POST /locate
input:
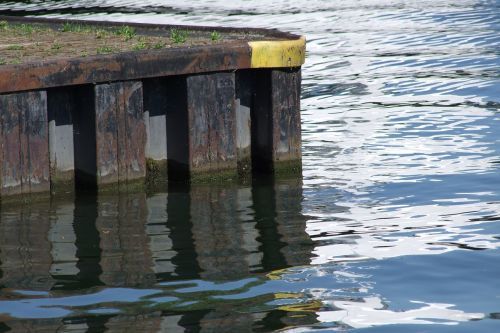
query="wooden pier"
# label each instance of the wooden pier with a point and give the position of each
(186, 112)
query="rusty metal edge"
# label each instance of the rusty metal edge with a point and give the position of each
(124, 66)
(131, 65)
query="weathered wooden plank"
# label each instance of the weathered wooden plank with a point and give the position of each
(135, 130)
(61, 103)
(285, 85)
(11, 147)
(276, 136)
(24, 151)
(244, 92)
(106, 123)
(155, 111)
(212, 123)
(120, 132)
(38, 142)
(24, 137)
(121, 129)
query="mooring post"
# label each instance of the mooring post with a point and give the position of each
(120, 132)
(24, 142)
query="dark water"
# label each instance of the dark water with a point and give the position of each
(394, 227)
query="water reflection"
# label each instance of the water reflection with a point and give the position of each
(401, 152)
(92, 259)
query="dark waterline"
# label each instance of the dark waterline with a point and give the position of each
(394, 227)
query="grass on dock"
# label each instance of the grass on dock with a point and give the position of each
(21, 43)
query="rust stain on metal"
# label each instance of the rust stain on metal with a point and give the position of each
(124, 66)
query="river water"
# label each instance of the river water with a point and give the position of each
(394, 227)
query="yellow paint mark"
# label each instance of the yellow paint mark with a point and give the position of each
(313, 306)
(275, 275)
(283, 53)
(288, 295)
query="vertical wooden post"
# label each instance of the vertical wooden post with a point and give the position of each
(201, 127)
(155, 112)
(244, 93)
(24, 143)
(212, 125)
(285, 85)
(276, 133)
(120, 132)
(61, 103)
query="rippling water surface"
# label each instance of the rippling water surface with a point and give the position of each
(394, 227)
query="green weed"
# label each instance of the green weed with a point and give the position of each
(75, 27)
(104, 50)
(15, 47)
(141, 45)
(215, 36)
(25, 29)
(100, 33)
(56, 46)
(126, 32)
(159, 45)
(178, 36)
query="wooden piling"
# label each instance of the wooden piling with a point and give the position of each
(212, 125)
(24, 140)
(120, 133)
(61, 103)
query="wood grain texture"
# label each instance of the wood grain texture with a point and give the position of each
(120, 132)
(286, 136)
(24, 140)
(212, 122)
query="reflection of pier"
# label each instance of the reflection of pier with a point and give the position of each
(131, 240)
